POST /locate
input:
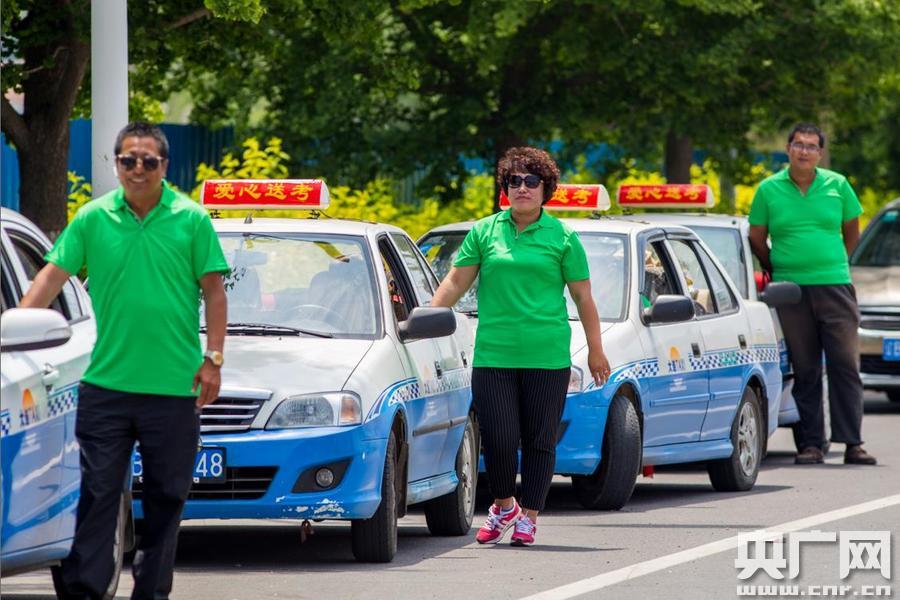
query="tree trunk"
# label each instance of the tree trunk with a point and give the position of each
(679, 154)
(43, 169)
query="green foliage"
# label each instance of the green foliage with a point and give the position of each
(79, 193)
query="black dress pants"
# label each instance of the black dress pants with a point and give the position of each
(108, 424)
(826, 320)
(520, 406)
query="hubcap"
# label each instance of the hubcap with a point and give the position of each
(467, 475)
(748, 439)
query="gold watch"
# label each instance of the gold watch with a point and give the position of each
(215, 357)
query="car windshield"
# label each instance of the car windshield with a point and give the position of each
(880, 243)
(608, 264)
(725, 243)
(282, 284)
(440, 250)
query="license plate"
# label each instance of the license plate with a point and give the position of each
(209, 466)
(891, 349)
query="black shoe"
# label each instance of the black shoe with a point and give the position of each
(855, 455)
(811, 455)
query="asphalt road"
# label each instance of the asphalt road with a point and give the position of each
(675, 539)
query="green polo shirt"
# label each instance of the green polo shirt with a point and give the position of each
(144, 286)
(805, 230)
(522, 316)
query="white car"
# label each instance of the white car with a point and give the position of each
(695, 366)
(344, 396)
(45, 353)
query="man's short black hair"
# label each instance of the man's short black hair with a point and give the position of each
(141, 129)
(807, 128)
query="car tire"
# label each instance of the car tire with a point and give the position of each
(119, 544)
(738, 472)
(451, 514)
(375, 539)
(611, 485)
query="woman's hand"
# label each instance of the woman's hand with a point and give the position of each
(598, 365)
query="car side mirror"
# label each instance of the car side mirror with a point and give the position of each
(670, 308)
(781, 293)
(32, 329)
(427, 322)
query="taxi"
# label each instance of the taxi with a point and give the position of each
(344, 395)
(44, 354)
(728, 238)
(695, 366)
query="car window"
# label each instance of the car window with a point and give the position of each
(725, 300)
(310, 282)
(727, 246)
(8, 298)
(657, 278)
(31, 255)
(398, 290)
(422, 278)
(440, 250)
(880, 243)
(697, 285)
(608, 266)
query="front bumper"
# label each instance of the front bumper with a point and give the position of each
(876, 372)
(263, 468)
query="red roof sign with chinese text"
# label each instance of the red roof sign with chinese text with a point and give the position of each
(257, 194)
(571, 196)
(670, 195)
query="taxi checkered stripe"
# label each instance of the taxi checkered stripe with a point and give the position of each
(5, 422)
(413, 389)
(63, 400)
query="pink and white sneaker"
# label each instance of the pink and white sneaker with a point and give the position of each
(524, 533)
(497, 523)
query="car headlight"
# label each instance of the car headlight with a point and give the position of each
(576, 379)
(317, 410)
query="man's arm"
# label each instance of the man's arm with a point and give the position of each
(455, 284)
(46, 286)
(209, 376)
(758, 236)
(850, 231)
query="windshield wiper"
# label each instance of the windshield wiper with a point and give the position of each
(266, 329)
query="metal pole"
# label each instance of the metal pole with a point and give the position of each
(109, 88)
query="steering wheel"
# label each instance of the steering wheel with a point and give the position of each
(327, 315)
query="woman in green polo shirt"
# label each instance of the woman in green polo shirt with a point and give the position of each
(522, 364)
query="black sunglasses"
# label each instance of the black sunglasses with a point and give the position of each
(128, 162)
(530, 181)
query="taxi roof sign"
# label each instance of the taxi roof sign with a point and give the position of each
(572, 196)
(670, 195)
(258, 194)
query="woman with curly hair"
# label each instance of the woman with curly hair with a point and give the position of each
(520, 375)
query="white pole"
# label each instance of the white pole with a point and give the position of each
(109, 88)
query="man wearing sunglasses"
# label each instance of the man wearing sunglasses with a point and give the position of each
(149, 252)
(811, 216)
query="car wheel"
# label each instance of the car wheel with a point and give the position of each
(118, 556)
(611, 485)
(375, 539)
(738, 472)
(451, 514)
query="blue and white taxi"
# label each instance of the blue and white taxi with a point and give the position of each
(44, 354)
(695, 366)
(344, 395)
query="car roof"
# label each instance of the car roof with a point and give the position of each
(606, 224)
(10, 216)
(323, 226)
(691, 219)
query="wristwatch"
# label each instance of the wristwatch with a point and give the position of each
(215, 357)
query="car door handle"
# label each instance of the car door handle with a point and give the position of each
(465, 360)
(438, 369)
(742, 341)
(695, 348)
(50, 375)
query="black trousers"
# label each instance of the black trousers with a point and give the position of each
(108, 423)
(826, 319)
(519, 406)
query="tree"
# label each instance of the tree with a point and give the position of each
(46, 56)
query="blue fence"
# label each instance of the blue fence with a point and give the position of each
(189, 145)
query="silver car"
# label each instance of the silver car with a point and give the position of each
(875, 268)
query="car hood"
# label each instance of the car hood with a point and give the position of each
(877, 286)
(292, 365)
(579, 340)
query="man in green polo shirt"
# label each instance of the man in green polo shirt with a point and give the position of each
(811, 216)
(149, 253)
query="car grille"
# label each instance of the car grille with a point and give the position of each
(880, 321)
(875, 365)
(241, 483)
(232, 412)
